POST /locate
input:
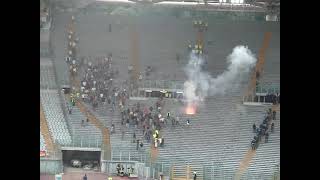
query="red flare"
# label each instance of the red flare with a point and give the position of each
(190, 110)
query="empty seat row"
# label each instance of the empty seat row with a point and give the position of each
(54, 116)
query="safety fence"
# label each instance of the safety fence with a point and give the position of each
(265, 93)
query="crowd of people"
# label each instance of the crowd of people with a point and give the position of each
(273, 98)
(264, 129)
(121, 171)
(97, 87)
(148, 119)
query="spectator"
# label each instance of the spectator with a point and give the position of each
(82, 123)
(155, 142)
(272, 127)
(118, 169)
(194, 175)
(160, 142)
(112, 129)
(85, 177)
(266, 137)
(253, 144)
(254, 127)
(134, 137)
(274, 115)
(70, 110)
(188, 122)
(138, 144)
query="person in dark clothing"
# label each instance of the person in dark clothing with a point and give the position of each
(112, 129)
(70, 110)
(141, 144)
(118, 169)
(82, 123)
(188, 122)
(266, 137)
(85, 177)
(162, 142)
(195, 175)
(274, 115)
(134, 137)
(253, 144)
(272, 127)
(261, 126)
(138, 144)
(254, 127)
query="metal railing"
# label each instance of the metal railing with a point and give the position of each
(52, 155)
(86, 141)
(162, 84)
(268, 88)
(208, 171)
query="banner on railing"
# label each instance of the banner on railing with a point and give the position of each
(43, 153)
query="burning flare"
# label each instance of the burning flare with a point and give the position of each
(190, 109)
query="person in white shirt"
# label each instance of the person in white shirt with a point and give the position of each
(155, 142)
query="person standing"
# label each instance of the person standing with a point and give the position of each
(274, 115)
(134, 137)
(272, 127)
(82, 123)
(194, 175)
(85, 177)
(122, 133)
(138, 144)
(266, 137)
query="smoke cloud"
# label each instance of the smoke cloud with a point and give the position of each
(200, 84)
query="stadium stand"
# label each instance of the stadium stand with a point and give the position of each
(54, 116)
(84, 135)
(47, 77)
(220, 133)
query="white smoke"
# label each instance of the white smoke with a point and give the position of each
(200, 84)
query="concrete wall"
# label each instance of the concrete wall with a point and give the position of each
(50, 166)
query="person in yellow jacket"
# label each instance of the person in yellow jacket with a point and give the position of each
(109, 178)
